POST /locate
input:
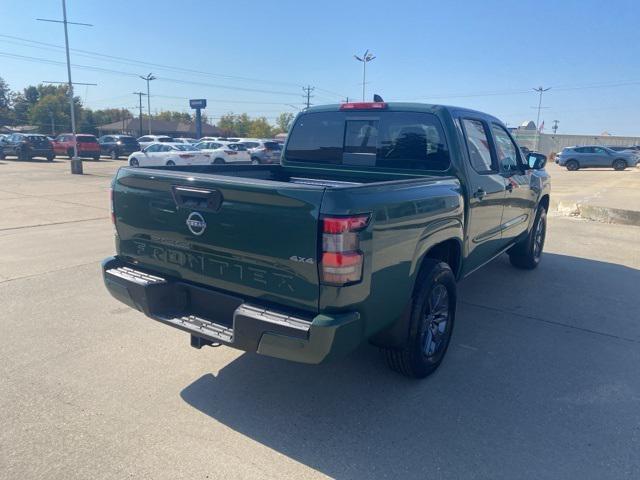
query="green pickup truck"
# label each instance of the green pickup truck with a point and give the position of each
(359, 234)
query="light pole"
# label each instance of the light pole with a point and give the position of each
(366, 58)
(148, 78)
(76, 163)
(540, 91)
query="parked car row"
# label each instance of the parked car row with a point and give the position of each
(146, 150)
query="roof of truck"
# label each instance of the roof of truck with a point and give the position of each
(401, 106)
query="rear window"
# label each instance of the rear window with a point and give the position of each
(251, 144)
(272, 145)
(86, 139)
(165, 139)
(127, 139)
(403, 140)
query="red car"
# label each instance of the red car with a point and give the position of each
(88, 145)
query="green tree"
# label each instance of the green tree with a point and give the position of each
(260, 128)
(284, 121)
(6, 114)
(56, 105)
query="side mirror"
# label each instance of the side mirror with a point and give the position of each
(536, 161)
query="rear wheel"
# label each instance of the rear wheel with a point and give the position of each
(527, 253)
(134, 162)
(255, 161)
(113, 155)
(70, 152)
(431, 323)
(572, 165)
(171, 163)
(50, 157)
(619, 164)
(96, 157)
(219, 161)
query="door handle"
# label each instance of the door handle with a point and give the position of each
(479, 194)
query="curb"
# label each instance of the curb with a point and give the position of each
(609, 215)
(600, 214)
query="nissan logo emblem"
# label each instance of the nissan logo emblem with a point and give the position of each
(196, 224)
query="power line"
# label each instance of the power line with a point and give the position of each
(134, 75)
(91, 54)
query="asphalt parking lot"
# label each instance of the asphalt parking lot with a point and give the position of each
(541, 381)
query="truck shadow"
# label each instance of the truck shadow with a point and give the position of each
(520, 359)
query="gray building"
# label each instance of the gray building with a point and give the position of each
(527, 136)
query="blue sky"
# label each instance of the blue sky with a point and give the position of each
(486, 55)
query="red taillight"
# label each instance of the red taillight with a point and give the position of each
(342, 260)
(363, 106)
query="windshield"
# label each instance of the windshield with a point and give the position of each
(185, 147)
(406, 140)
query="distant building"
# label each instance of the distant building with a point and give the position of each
(158, 127)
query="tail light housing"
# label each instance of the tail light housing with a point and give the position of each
(342, 260)
(112, 209)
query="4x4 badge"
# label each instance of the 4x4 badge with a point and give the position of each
(196, 223)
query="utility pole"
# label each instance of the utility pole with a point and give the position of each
(540, 91)
(366, 58)
(307, 91)
(140, 95)
(76, 163)
(148, 78)
(555, 126)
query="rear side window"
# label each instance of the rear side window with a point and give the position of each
(478, 145)
(402, 140)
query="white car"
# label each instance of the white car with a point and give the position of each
(147, 140)
(190, 141)
(169, 154)
(225, 152)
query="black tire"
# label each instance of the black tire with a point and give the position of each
(572, 165)
(619, 164)
(219, 161)
(96, 157)
(50, 157)
(255, 161)
(527, 253)
(430, 328)
(134, 162)
(70, 152)
(171, 163)
(113, 155)
(2, 157)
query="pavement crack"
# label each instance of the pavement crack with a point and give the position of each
(53, 223)
(553, 322)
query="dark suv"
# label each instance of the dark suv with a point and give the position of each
(118, 145)
(26, 146)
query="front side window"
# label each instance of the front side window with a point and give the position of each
(506, 150)
(478, 146)
(153, 148)
(401, 140)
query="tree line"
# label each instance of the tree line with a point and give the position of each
(47, 107)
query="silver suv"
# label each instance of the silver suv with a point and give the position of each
(587, 156)
(266, 151)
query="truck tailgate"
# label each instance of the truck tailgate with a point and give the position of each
(256, 238)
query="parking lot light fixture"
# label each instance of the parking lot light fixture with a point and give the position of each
(366, 58)
(148, 78)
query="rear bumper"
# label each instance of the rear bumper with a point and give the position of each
(211, 316)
